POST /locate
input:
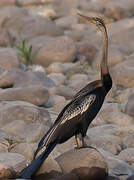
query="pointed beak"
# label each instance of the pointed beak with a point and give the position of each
(90, 19)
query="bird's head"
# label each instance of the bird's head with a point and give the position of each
(95, 20)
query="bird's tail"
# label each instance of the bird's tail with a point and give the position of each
(29, 171)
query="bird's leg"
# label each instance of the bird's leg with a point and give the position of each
(77, 138)
(83, 142)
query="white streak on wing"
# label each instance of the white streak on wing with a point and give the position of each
(78, 110)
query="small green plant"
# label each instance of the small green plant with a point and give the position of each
(25, 51)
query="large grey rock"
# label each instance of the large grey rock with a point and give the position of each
(123, 72)
(31, 133)
(119, 9)
(15, 18)
(33, 94)
(14, 160)
(58, 67)
(128, 141)
(129, 109)
(58, 78)
(109, 143)
(123, 95)
(118, 167)
(26, 149)
(19, 110)
(127, 155)
(59, 49)
(82, 162)
(65, 91)
(18, 78)
(8, 58)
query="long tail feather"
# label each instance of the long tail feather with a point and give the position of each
(29, 171)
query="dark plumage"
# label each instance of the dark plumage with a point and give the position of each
(76, 116)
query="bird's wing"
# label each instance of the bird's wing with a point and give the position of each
(74, 109)
(87, 89)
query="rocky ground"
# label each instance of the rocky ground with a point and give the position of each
(47, 54)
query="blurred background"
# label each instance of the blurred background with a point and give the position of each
(47, 54)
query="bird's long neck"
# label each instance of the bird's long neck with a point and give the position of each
(105, 75)
(104, 66)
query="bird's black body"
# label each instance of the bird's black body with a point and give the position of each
(75, 117)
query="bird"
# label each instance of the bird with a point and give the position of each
(77, 115)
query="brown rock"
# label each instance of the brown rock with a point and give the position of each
(86, 163)
(26, 149)
(122, 74)
(33, 94)
(129, 109)
(69, 176)
(8, 58)
(88, 50)
(107, 142)
(6, 172)
(49, 165)
(60, 49)
(31, 133)
(14, 160)
(17, 110)
(127, 155)
(128, 141)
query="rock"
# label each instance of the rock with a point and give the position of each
(60, 49)
(77, 85)
(107, 110)
(58, 67)
(60, 100)
(14, 126)
(107, 142)
(6, 3)
(14, 160)
(6, 172)
(88, 50)
(30, 25)
(111, 177)
(17, 110)
(49, 165)
(122, 74)
(33, 94)
(114, 57)
(120, 119)
(128, 141)
(129, 108)
(131, 177)
(118, 26)
(58, 78)
(26, 149)
(31, 133)
(97, 122)
(123, 95)
(82, 162)
(118, 167)
(13, 77)
(127, 155)
(76, 77)
(65, 91)
(54, 100)
(8, 58)
(47, 176)
(67, 176)
(120, 9)
(102, 130)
